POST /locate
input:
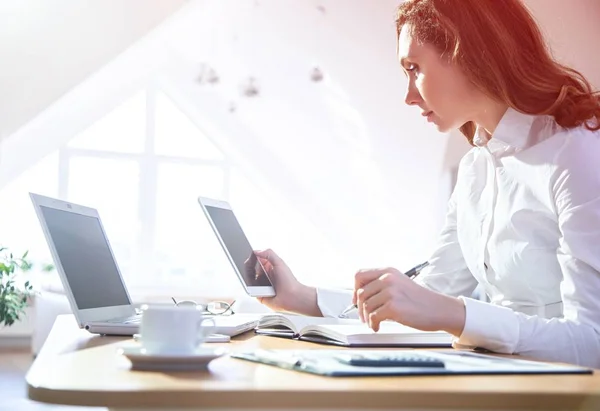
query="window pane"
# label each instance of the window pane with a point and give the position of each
(112, 187)
(177, 135)
(187, 252)
(19, 227)
(123, 130)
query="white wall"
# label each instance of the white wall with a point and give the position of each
(572, 29)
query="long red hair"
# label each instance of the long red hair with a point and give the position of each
(500, 48)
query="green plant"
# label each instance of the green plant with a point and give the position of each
(13, 299)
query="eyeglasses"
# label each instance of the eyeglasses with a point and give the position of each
(212, 308)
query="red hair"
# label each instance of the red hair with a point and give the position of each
(500, 48)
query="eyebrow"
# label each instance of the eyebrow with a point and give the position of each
(403, 60)
(403, 63)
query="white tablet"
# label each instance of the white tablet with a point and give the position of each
(241, 255)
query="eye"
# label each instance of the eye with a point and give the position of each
(412, 68)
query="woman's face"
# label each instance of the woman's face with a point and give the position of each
(436, 86)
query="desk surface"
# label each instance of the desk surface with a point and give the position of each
(78, 368)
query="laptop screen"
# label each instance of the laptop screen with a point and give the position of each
(84, 254)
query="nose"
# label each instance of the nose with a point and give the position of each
(412, 97)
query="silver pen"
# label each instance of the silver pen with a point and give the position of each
(412, 273)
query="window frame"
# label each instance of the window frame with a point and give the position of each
(149, 163)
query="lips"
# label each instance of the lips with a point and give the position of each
(429, 116)
(426, 113)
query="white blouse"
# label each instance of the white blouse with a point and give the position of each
(524, 222)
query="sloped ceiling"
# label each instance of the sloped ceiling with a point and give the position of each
(49, 46)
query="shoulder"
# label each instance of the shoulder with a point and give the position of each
(557, 148)
(579, 147)
(576, 176)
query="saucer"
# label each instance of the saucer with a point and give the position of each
(197, 360)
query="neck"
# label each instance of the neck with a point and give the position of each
(490, 116)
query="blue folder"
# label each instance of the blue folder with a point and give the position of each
(384, 363)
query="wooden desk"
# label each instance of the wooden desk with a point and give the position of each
(78, 368)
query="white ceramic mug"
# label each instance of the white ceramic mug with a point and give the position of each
(173, 329)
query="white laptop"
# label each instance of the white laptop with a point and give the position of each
(90, 275)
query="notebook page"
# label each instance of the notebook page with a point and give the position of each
(302, 321)
(389, 333)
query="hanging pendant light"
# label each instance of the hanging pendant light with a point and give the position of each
(208, 75)
(316, 73)
(249, 88)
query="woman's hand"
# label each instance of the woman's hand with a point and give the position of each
(292, 295)
(387, 294)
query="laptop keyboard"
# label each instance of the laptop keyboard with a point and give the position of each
(134, 319)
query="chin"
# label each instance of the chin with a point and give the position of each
(443, 128)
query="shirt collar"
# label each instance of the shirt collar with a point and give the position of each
(512, 131)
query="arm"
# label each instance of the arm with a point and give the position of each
(575, 338)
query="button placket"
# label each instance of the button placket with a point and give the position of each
(487, 222)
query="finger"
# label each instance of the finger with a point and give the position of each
(380, 314)
(356, 301)
(364, 277)
(264, 300)
(263, 260)
(364, 294)
(267, 264)
(375, 294)
(375, 302)
(375, 286)
(269, 255)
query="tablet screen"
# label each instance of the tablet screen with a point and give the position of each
(236, 243)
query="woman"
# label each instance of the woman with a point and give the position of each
(524, 218)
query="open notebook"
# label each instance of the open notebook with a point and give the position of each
(349, 332)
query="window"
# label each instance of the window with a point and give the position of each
(19, 227)
(142, 165)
